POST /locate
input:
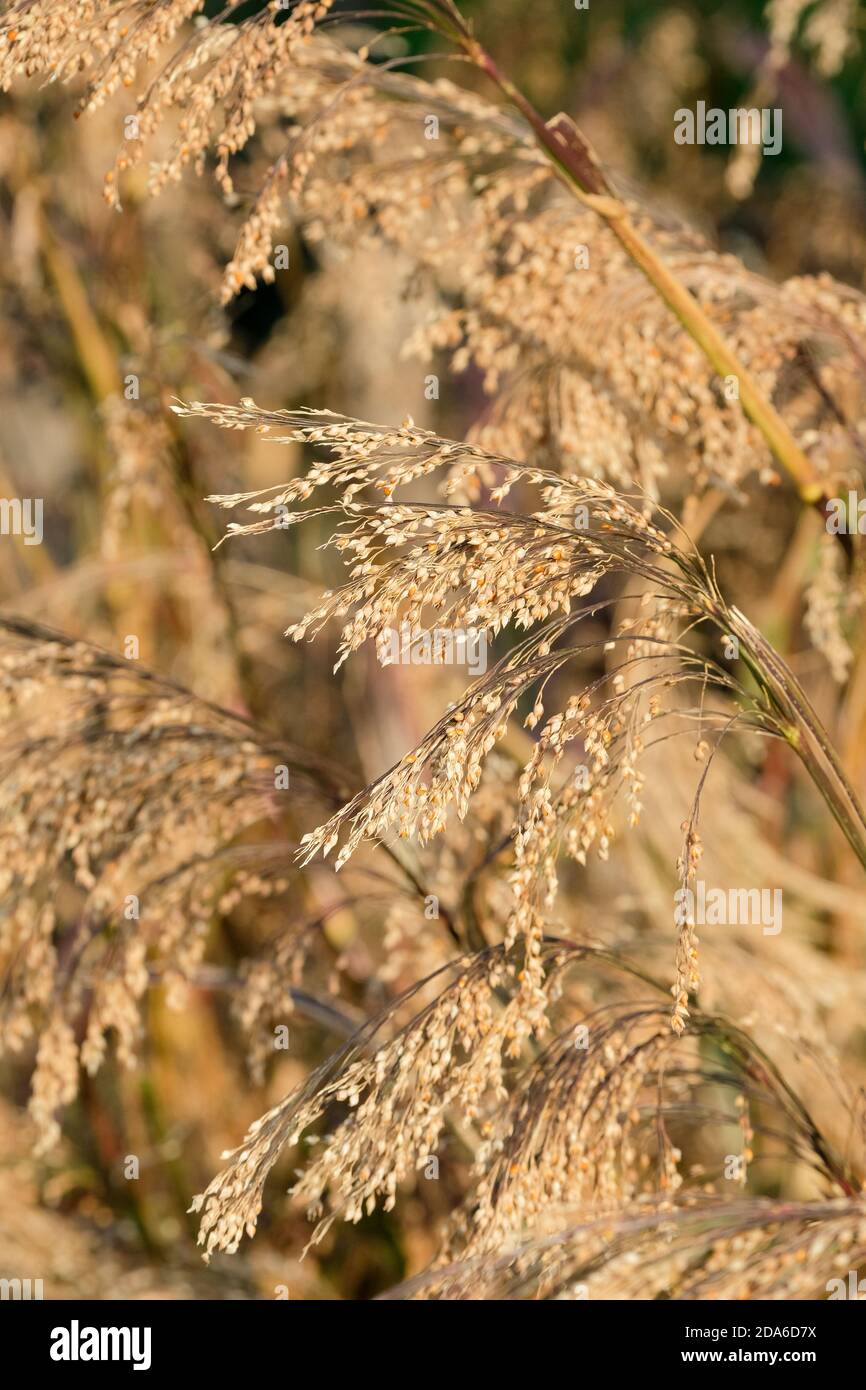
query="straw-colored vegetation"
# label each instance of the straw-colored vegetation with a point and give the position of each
(416, 949)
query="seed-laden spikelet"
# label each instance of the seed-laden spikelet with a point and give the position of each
(697, 1248)
(123, 798)
(215, 80)
(483, 570)
(451, 1053)
(476, 567)
(576, 1139)
(592, 1125)
(829, 602)
(109, 39)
